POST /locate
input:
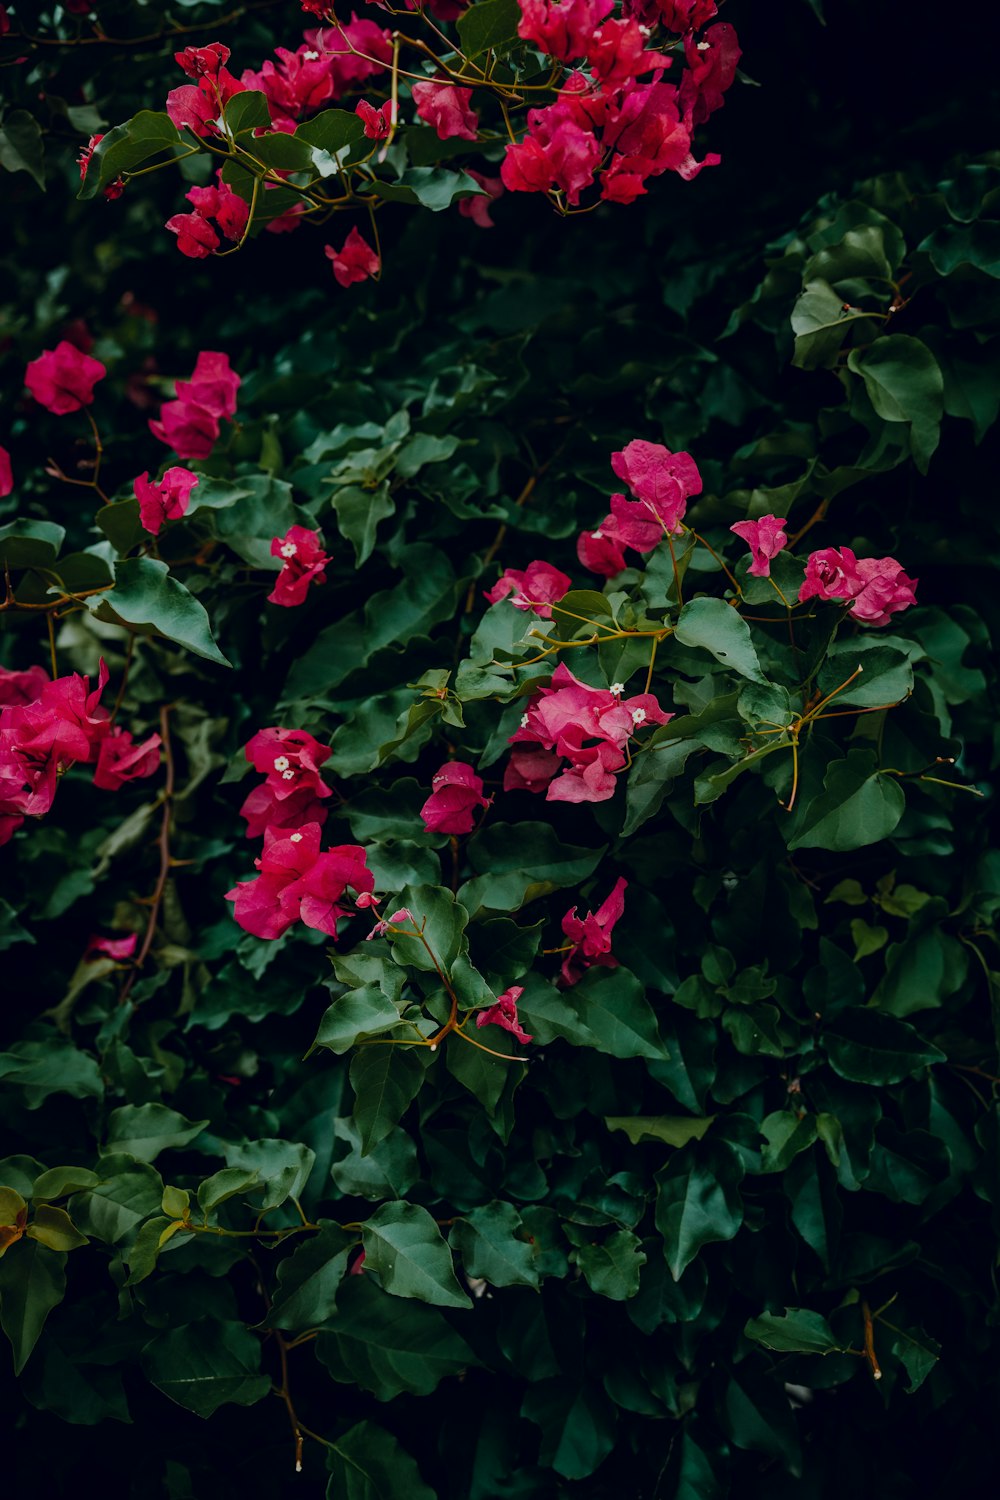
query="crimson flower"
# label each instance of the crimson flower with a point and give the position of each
(291, 795)
(6, 474)
(561, 28)
(22, 687)
(591, 936)
(303, 562)
(451, 806)
(478, 208)
(354, 261)
(377, 122)
(117, 948)
(537, 588)
(299, 883)
(166, 501)
(120, 761)
(765, 539)
(504, 1013)
(447, 108)
(63, 379)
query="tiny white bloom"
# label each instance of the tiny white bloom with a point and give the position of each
(703, 46)
(289, 549)
(524, 721)
(617, 688)
(310, 56)
(638, 715)
(597, 535)
(295, 838)
(281, 763)
(288, 775)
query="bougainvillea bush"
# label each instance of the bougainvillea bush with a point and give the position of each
(497, 722)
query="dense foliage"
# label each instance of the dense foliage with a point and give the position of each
(592, 1090)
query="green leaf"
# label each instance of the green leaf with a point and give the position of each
(130, 1192)
(144, 1252)
(858, 806)
(796, 1331)
(869, 1047)
(404, 1247)
(698, 1201)
(54, 1227)
(490, 1245)
(435, 188)
(51, 1066)
(332, 130)
(149, 133)
(607, 1010)
(30, 544)
(904, 384)
(521, 862)
(32, 1283)
(820, 322)
(121, 524)
(715, 626)
(384, 1080)
(147, 598)
(389, 1169)
(368, 1463)
(389, 1345)
(231, 1182)
(442, 920)
(786, 1135)
(489, 24)
(887, 676)
(577, 1422)
(205, 1365)
(674, 1130)
(58, 1182)
(247, 111)
(359, 512)
(283, 1167)
(309, 1279)
(363, 1012)
(21, 145)
(144, 1130)
(612, 1269)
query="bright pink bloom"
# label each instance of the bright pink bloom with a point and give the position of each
(451, 806)
(561, 28)
(189, 430)
(66, 720)
(292, 793)
(355, 261)
(166, 501)
(447, 108)
(212, 386)
(591, 937)
(616, 54)
(677, 16)
(478, 208)
(21, 687)
(661, 482)
(504, 1013)
(195, 236)
(557, 152)
(765, 539)
(203, 62)
(831, 573)
(62, 379)
(191, 108)
(650, 133)
(537, 588)
(299, 83)
(382, 927)
(377, 122)
(588, 727)
(303, 561)
(298, 883)
(119, 760)
(885, 590)
(340, 46)
(190, 425)
(711, 69)
(117, 948)
(602, 550)
(6, 474)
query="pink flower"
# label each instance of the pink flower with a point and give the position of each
(451, 806)
(355, 261)
(886, 589)
(675, 15)
(117, 948)
(298, 883)
(166, 501)
(447, 108)
(831, 573)
(195, 236)
(191, 108)
(197, 106)
(556, 153)
(711, 69)
(662, 480)
(62, 379)
(43, 735)
(616, 54)
(537, 588)
(561, 28)
(478, 209)
(190, 430)
(602, 550)
(22, 687)
(340, 46)
(765, 539)
(588, 727)
(6, 474)
(290, 759)
(303, 562)
(591, 937)
(119, 760)
(190, 425)
(504, 1013)
(212, 386)
(203, 62)
(299, 83)
(377, 122)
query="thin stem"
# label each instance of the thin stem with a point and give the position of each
(866, 1313)
(652, 663)
(52, 643)
(164, 845)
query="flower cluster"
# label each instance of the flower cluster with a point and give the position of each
(354, 261)
(302, 563)
(452, 805)
(608, 127)
(197, 106)
(765, 539)
(661, 484)
(46, 726)
(299, 883)
(63, 379)
(166, 501)
(190, 423)
(590, 936)
(293, 791)
(197, 235)
(324, 68)
(537, 588)
(504, 1013)
(573, 739)
(876, 587)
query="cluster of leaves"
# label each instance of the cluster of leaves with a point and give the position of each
(742, 1174)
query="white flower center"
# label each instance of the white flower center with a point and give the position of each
(524, 721)
(281, 763)
(617, 688)
(289, 549)
(288, 775)
(638, 715)
(295, 838)
(310, 56)
(597, 535)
